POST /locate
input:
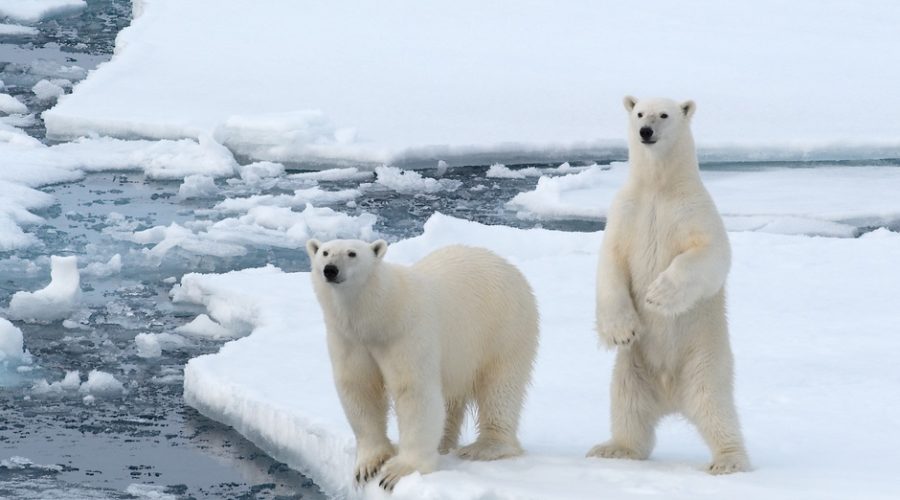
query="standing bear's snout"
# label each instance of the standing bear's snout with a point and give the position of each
(331, 272)
(646, 134)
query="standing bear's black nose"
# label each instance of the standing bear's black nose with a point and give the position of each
(646, 133)
(330, 272)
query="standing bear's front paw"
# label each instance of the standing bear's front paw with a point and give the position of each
(618, 329)
(667, 297)
(393, 471)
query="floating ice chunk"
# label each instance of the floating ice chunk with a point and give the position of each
(47, 91)
(31, 11)
(149, 492)
(441, 168)
(16, 30)
(18, 121)
(301, 197)
(57, 300)
(198, 186)
(255, 172)
(409, 182)
(12, 349)
(151, 345)
(204, 326)
(500, 171)
(17, 462)
(101, 384)
(10, 105)
(104, 269)
(71, 382)
(177, 236)
(335, 174)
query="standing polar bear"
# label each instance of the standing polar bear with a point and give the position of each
(458, 327)
(661, 294)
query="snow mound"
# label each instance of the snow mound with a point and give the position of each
(203, 326)
(32, 11)
(54, 302)
(797, 381)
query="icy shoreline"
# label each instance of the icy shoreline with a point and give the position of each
(801, 387)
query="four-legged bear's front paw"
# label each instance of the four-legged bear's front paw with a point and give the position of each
(613, 450)
(369, 462)
(618, 329)
(393, 471)
(665, 296)
(729, 464)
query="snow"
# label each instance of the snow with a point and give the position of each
(326, 83)
(34, 10)
(16, 30)
(814, 332)
(825, 200)
(203, 326)
(12, 350)
(46, 90)
(54, 302)
(10, 105)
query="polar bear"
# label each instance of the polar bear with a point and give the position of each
(458, 328)
(661, 294)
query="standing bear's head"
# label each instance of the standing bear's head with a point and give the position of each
(344, 263)
(655, 125)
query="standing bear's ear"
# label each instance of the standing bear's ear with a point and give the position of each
(312, 246)
(688, 108)
(379, 248)
(629, 102)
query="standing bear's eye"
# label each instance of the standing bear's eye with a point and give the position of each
(640, 115)
(324, 253)
(664, 115)
(351, 254)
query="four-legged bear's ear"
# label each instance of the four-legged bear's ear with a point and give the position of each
(688, 108)
(380, 248)
(629, 102)
(312, 246)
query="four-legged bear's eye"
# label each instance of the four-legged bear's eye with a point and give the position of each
(324, 253)
(664, 115)
(640, 115)
(351, 254)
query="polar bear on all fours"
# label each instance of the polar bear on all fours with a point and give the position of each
(661, 294)
(459, 327)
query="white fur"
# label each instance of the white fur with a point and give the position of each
(458, 328)
(661, 294)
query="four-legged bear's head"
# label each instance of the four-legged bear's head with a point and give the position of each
(344, 261)
(656, 124)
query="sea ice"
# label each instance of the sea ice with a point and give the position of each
(16, 30)
(198, 186)
(12, 350)
(798, 380)
(203, 326)
(34, 10)
(101, 383)
(104, 269)
(10, 105)
(409, 181)
(45, 90)
(54, 302)
(151, 345)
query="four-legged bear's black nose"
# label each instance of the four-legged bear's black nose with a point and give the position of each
(330, 272)
(646, 133)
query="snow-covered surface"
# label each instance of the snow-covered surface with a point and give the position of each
(55, 301)
(331, 82)
(814, 331)
(35, 10)
(825, 200)
(16, 30)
